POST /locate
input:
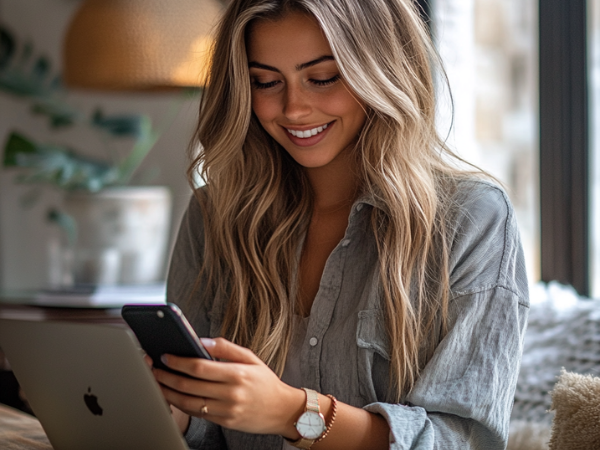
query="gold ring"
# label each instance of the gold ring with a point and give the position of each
(204, 409)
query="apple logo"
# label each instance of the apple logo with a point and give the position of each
(91, 401)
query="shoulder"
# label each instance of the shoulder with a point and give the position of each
(186, 284)
(485, 244)
(197, 205)
(191, 229)
(480, 209)
(475, 196)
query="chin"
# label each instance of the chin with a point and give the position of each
(312, 163)
(313, 159)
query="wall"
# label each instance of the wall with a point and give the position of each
(23, 230)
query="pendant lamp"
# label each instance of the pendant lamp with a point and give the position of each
(139, 44)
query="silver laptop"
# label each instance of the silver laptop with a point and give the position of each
(89, 386)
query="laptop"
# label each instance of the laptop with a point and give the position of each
(89, 386)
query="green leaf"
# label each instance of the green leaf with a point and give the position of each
(66, 223)
(59, 166)
(16, 82)
(142, 147)
(130, 125)
(59, 114)
(41, 68)
(7, 47)
(16, 145)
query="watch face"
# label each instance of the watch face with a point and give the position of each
(311, 425)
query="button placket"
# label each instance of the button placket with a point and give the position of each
(325, 301)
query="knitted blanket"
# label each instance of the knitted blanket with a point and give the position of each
(563, 332)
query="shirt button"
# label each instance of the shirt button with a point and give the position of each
(359, 206)
(313, 341)
(345, 242)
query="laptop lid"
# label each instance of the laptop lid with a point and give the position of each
(89, 386)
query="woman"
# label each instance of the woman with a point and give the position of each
(336, 248)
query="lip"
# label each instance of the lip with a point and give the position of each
(308, 142)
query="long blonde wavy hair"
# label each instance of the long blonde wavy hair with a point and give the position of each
(257, 202)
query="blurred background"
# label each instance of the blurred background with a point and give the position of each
(492, 51)
(39, 28)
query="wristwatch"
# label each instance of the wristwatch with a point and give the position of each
(311, 424)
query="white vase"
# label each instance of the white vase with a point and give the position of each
(122, 235)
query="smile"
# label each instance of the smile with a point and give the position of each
(307, 133)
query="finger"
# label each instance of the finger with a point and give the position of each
(220, 348)
(193, 405)
(148, 360)
(180, 383)
(199, 368)
(192, 386)
(215, 371)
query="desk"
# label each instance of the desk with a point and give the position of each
(21, 304)
(19, 431)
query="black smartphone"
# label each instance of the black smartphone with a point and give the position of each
(162, 329)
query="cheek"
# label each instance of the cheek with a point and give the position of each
(344, 105)
(264, 109)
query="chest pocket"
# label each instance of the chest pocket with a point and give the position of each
(373, 356)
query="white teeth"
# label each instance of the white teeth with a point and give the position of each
(307, 133)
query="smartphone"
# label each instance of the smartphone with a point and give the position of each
(162, 329)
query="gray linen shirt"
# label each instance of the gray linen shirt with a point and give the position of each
(464, 395)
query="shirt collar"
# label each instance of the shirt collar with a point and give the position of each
(369, 198)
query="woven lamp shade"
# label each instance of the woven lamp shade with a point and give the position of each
(139, 44)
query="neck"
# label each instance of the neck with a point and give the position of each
(335, 185)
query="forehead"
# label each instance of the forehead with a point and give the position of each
(296, 36)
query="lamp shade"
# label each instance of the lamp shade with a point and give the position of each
(139, 44)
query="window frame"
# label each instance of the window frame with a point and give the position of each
(564, 150)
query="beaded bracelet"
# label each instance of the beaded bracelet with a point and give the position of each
(334, 408)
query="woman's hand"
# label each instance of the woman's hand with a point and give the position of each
(243, 393)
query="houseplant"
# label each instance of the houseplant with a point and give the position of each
(103, 218)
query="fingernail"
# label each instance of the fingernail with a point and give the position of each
(207, 342)
(163, 358)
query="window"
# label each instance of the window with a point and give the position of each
(489, 48)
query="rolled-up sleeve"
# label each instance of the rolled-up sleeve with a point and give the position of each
(465, 393)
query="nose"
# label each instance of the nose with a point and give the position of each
(296, 103)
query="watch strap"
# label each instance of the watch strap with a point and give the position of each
(302, 443)
(312, 400)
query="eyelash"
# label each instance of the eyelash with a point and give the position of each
(326, 82)
(259, 85)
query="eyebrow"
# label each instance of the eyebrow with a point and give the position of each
(299, 67)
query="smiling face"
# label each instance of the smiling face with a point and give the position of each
(298, 94)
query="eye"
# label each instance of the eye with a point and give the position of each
(258, 85)
(325, 82)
